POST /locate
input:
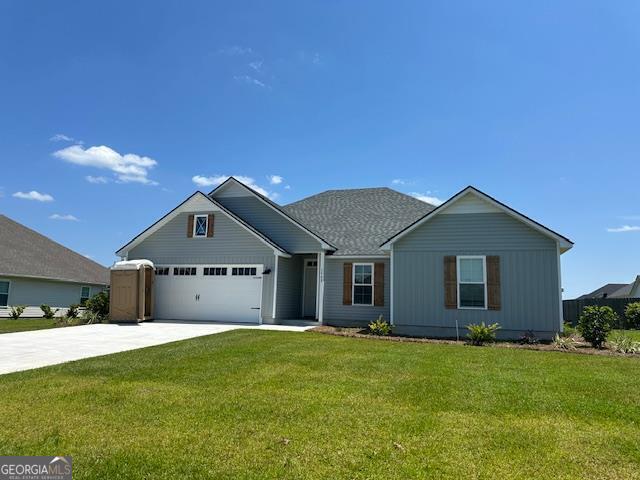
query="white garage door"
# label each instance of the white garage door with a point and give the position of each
(223, 293)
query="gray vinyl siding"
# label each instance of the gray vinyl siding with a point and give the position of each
(337, 314)
(528, 271)
(34, 292)
(289, 294)
(230, 244)
(278, 228)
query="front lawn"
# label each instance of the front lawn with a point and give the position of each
(256, 404)
(8, 325)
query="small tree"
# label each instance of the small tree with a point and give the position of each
(595, 324)
(632, 315)
(16, 311)
(99, 304)
(48, 312)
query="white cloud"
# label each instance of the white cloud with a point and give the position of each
(250, 80)
(287, 187)
(127, 168)
(630, 217)
(275, 179)
(398, 181)
(92, 179)
(427, 198)
(61, 137)
(67, 217)
(257, 65)
(235, 50)
(625, 228)
(33, 195)
(216, 180)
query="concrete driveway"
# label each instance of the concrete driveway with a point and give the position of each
(39, 348)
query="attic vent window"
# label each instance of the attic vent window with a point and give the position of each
(200, 226)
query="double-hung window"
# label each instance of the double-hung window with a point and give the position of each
(85, 294)
(200, 225)
(363, 283)
(4, 293)
(472, 282)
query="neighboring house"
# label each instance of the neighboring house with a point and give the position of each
(616, 290)
(35, 270)
(345, 257)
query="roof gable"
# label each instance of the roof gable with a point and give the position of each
(480, 202)
(27, 253)
(233, 187)
(198, 202)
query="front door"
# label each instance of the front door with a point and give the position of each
(309, 288)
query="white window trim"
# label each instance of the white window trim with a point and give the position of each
(8, 293)
(353, 285)
(206, 225)
(484, 279)
(81, 297)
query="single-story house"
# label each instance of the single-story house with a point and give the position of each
(35, 270)
(345, 257)
(616, 290)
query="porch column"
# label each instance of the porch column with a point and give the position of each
(320, 299)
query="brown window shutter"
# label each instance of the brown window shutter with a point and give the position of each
(450, 282)
(210, 226)
(347, 282)
(378, 285)
(493, 283)
(190, 226)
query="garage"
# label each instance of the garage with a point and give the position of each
(224, 293)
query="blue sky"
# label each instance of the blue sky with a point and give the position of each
(109, 105)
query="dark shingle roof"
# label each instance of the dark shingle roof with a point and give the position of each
(357, 221)
(25, 252)
(607, 289)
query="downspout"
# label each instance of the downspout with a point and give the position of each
(560, 288)
(391, 287)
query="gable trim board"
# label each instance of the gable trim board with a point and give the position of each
(563, 242)
(325, 245)
(184, 207)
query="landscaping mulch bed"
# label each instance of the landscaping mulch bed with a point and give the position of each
(581, 347)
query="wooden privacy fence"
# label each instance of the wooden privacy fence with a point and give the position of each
(573, 308)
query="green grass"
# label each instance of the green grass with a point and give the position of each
(8, 325)
(250, 404)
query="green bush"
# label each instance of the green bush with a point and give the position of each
(99, 304)
(73, 311)
(595, 324)
(380, 327)
(623, 343)
(48, 312)
(479, 334)
(632, 315)
(89, 317)
(16, 311)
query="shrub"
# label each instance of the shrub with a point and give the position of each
(632, 315)
(623, 343)
(99, 304)
(479, 334)
(89, 317)
(595, 324)
(16, 311)
(380, 327)
(48, 312)
(528, 338)
(564, 343)
(73, 311)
